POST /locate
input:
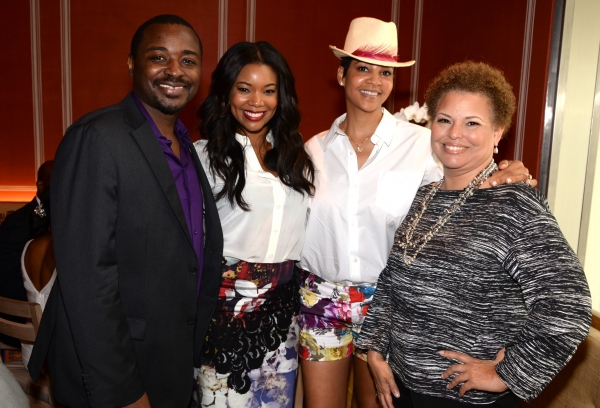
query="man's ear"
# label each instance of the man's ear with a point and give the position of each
(130, 65)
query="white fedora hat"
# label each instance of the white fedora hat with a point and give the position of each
(373, 41)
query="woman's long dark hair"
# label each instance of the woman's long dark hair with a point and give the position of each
(218, 126)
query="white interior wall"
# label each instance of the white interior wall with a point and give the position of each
(576, 204)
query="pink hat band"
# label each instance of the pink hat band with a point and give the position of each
(375, 56)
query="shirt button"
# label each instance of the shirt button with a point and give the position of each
(355, 259)
(193, 270)
(191, 324)
(195, 232)
(355, 186)
(351, 153)
(270, 255)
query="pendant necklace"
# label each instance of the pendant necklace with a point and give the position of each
(358, 147)
(407, 241)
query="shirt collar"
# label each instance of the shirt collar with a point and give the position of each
(384, 132)
(180, 130)
(251, 158)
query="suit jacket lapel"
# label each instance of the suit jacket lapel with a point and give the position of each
(146, 139)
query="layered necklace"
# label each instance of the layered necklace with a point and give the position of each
(409, 242)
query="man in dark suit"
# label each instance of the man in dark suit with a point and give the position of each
(15, 232)
(138, 260)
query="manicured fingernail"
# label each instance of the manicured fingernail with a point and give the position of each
(441, 353)
(494, 183)
(508, 180)
(397, 394)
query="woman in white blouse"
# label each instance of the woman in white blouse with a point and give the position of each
(261, 177)
(368, 168)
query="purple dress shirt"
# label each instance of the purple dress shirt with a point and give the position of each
(186, 181)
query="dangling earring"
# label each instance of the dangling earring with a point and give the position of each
(496, 149)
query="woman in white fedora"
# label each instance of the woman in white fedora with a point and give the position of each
(368, 167)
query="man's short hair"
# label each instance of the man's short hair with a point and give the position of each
(162, 19)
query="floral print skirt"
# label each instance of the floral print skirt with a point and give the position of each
(331, 315)
(250, 356)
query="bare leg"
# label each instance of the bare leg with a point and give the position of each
(325, 383)
(363, 394)
(299, 398)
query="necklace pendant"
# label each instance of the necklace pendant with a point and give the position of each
(359, 149)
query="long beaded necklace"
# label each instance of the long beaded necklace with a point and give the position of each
(407, 242)
(358, 147)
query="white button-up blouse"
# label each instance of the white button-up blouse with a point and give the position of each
(355, 212)
(273, 230)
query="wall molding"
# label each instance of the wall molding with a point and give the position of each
(36, 83)
(524, 83)
(551, 104)
(65, 63)
(417, 28)
(250, 20)
(223, 17)
(395, 18)
(590, 171)
(395, 12)
(561, 96)
(19, 188)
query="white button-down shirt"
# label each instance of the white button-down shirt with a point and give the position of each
(273, 230)
(355, 212)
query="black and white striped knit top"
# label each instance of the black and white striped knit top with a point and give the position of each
(498, 274)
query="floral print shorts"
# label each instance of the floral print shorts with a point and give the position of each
(331, 315)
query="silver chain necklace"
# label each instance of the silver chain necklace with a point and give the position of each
(407, 242)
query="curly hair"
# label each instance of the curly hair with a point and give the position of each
(474, 77)
(218, 125)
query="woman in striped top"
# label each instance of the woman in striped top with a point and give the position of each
(482, 300)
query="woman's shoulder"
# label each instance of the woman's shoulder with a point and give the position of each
(316, 143)
(200, 146)
(522, 198)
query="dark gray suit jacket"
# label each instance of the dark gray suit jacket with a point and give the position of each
(124, 318)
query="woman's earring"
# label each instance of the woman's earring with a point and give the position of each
(496, 149)
(341, 83)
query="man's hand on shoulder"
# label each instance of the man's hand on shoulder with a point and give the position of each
(143, 402)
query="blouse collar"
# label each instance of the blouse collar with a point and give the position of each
(251, 158)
